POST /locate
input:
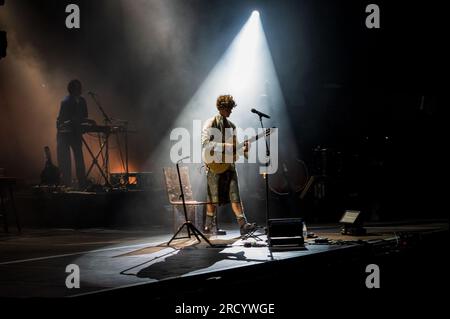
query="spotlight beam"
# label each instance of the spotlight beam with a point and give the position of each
(247, 72)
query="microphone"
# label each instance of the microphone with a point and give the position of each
(260, 113)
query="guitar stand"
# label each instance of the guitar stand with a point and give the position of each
(191, 229)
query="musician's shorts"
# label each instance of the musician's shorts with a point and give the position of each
(223, 188)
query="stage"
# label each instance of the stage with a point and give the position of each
(116, 262)
(121, 120)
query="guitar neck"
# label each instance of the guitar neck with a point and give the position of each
(252, 139)
(48, 155)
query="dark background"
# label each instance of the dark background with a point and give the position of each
(370, 96)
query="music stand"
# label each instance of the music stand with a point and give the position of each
(187, 223)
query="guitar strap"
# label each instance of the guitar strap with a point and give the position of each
(215, 124)
(224, 125)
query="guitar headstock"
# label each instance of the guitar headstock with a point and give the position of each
(48, 155)
(269, 130)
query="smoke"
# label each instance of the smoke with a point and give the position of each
(28, 105)
(145, 60)
(33, 81)
(159, 38)
(246, 71)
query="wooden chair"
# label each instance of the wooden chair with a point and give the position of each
(195, 215)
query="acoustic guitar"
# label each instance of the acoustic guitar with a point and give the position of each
(50, 175)
(221, 167)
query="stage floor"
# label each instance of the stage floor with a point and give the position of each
(34, 263)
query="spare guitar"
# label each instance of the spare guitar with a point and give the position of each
(219, 168)
(50, 175)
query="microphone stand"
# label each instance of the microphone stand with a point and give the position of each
(106, 118)
(266, 175)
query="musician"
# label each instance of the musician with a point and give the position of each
(223, 188)
(72, 113)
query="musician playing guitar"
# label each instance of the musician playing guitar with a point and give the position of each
(222, 186)
(72, 114)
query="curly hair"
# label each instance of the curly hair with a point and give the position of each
(225, 101)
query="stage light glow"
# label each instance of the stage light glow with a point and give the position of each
(247, 72)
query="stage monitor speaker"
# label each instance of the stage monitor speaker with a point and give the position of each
(352, 223)
(285, 232)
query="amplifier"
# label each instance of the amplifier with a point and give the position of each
(285, 232)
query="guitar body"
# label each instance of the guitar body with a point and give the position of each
(223, 166)
(219, 168)
(50, 175)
